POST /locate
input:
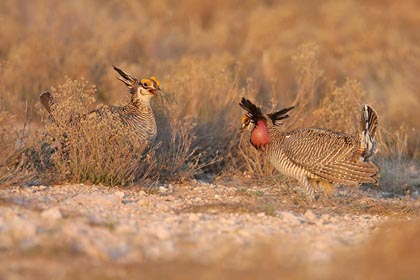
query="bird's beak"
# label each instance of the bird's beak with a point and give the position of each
(155, 91)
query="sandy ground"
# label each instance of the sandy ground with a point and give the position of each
(61, 232)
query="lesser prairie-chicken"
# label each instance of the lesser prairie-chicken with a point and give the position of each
(137, 115)
(314, 156)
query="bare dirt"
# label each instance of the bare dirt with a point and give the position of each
(190, 231)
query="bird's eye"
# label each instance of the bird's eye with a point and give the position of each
(245, 120)
(146, 83)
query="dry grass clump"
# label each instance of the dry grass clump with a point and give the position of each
(206, 53)
(7, 122)
(176, 157)
(8, 133)
(340, 108)
(86, 149)
(12, 137)
(7, 140)
(399, 170)
(399, 175)
(83, 148)
(208, 91)
(309, 81)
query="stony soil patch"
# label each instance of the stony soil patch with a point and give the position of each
(200, 223)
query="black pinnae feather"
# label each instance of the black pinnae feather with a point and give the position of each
(254, 111)
(127, 77)
(279, 115)
(121, 72)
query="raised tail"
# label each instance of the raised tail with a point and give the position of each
(47, 100)
(369, 126)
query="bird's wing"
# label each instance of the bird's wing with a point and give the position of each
(329, 155)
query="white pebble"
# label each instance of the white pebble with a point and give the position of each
(53, 213)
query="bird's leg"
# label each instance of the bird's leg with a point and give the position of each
(308, 188)
(318, 185)
(327, 187)
(314, 183)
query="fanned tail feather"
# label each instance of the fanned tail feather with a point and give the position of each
(369, 126)
(47, 100)
(369, 120)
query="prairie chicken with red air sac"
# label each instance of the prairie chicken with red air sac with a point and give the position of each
(314, 156)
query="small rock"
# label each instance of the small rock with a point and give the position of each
(94, 199)
(334, 220)
(197, 200)
(143, 202)
(415, 194)
(124, 229)
(288, 218)
(325, 218)
(22, 230)
(310, 216)
(119, 194)
(52, 213)
(387, 195)
(244, 233)
(162, 233)
(193, 217)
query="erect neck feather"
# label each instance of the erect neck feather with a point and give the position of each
(260, 135)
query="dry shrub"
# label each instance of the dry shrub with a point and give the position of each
(309, 77)
(8, 140)
(207, 51)
(86, 149)
(208, 91)
(399, 175)
(13, 137)
(399, 171)
(81, 148)
(176, 157)
(7, 122)
(340, 107)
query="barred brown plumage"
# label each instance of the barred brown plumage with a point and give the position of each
(314, 156)
(137, 115)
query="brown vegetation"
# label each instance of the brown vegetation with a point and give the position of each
(207, 55)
